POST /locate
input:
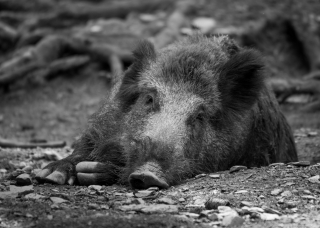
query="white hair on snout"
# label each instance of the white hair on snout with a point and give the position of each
(169, 123)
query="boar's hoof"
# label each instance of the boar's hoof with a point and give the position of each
(146, 179)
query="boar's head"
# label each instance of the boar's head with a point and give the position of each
(186, 108)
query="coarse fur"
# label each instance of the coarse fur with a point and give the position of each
(199, 105)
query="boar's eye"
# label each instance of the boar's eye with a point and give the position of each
(149, 100)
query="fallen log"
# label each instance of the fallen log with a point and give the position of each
(6, 143)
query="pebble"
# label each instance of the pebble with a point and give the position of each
(23, 179)
(138, 201)
(147, 18)
(34, 196)
(95, 187)
(269, 217)
(232, 221)
(237, 168)
(28, 169)
(276, 191)
(22, 165)
(251, 210)
(181, 200)
(276, 164)
(241, 192)
(300, 163)
(292, 204)
(315, 179)
(213, 217)
(270, 210)
(93, 206)
(58, 200)
(200, 175)
(204, 24)
(246, 203)
(166, 200)
(153, 189)
(286, 194)
(214, 203)
(143, 193)
(312, 133)
(190, 215)
(214, 176)
(158, 208)
(307, 192)
(308, 197)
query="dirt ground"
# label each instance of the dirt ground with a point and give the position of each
(59, 109)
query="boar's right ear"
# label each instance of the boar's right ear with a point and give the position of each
(241, 80)
(143, 55)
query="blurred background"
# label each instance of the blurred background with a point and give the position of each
(60, 58)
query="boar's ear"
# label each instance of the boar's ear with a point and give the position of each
(241, 81)
(143, 55)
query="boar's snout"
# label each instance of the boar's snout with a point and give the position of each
(148, 175)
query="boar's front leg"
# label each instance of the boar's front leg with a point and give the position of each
(89, 164)
(104, 167)
(63, 171)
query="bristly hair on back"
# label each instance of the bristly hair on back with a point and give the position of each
(143, 55)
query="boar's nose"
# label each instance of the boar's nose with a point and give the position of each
(147, 176)
(146, 180)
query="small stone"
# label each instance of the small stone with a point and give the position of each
(292, 204)
(204, 24)
(251, 210)
(308, 197)
(213, 217)
(315, 179)
(105, 207)
(28, 169)
(93, 206)
(22, 165)
(246, 203)
(58, 200)
(143, 193)
(50, 217)
(286, 194)
(270, 210)
(237, 168)
(52, 155)
(214, 176)
(190, 215)
(34, 196)
(312, 133)
(15, 173)
(269, 217)
(166, 200)
(181, 200)
(262, 197)
(307, 192)
(276, 164)
(214, 203)
(95, 187)
(138, 201)
(241, 192)
(153, 189)
(300, 163)
(23, 179)
(147, 18)
(276, 191)
(232, 221)
(55, 206)
(200, 175)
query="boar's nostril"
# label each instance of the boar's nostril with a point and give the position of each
(146, 179)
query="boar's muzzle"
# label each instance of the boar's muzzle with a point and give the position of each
(148, 175)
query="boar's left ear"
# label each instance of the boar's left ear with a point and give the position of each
(241, 80)
(143, 54)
